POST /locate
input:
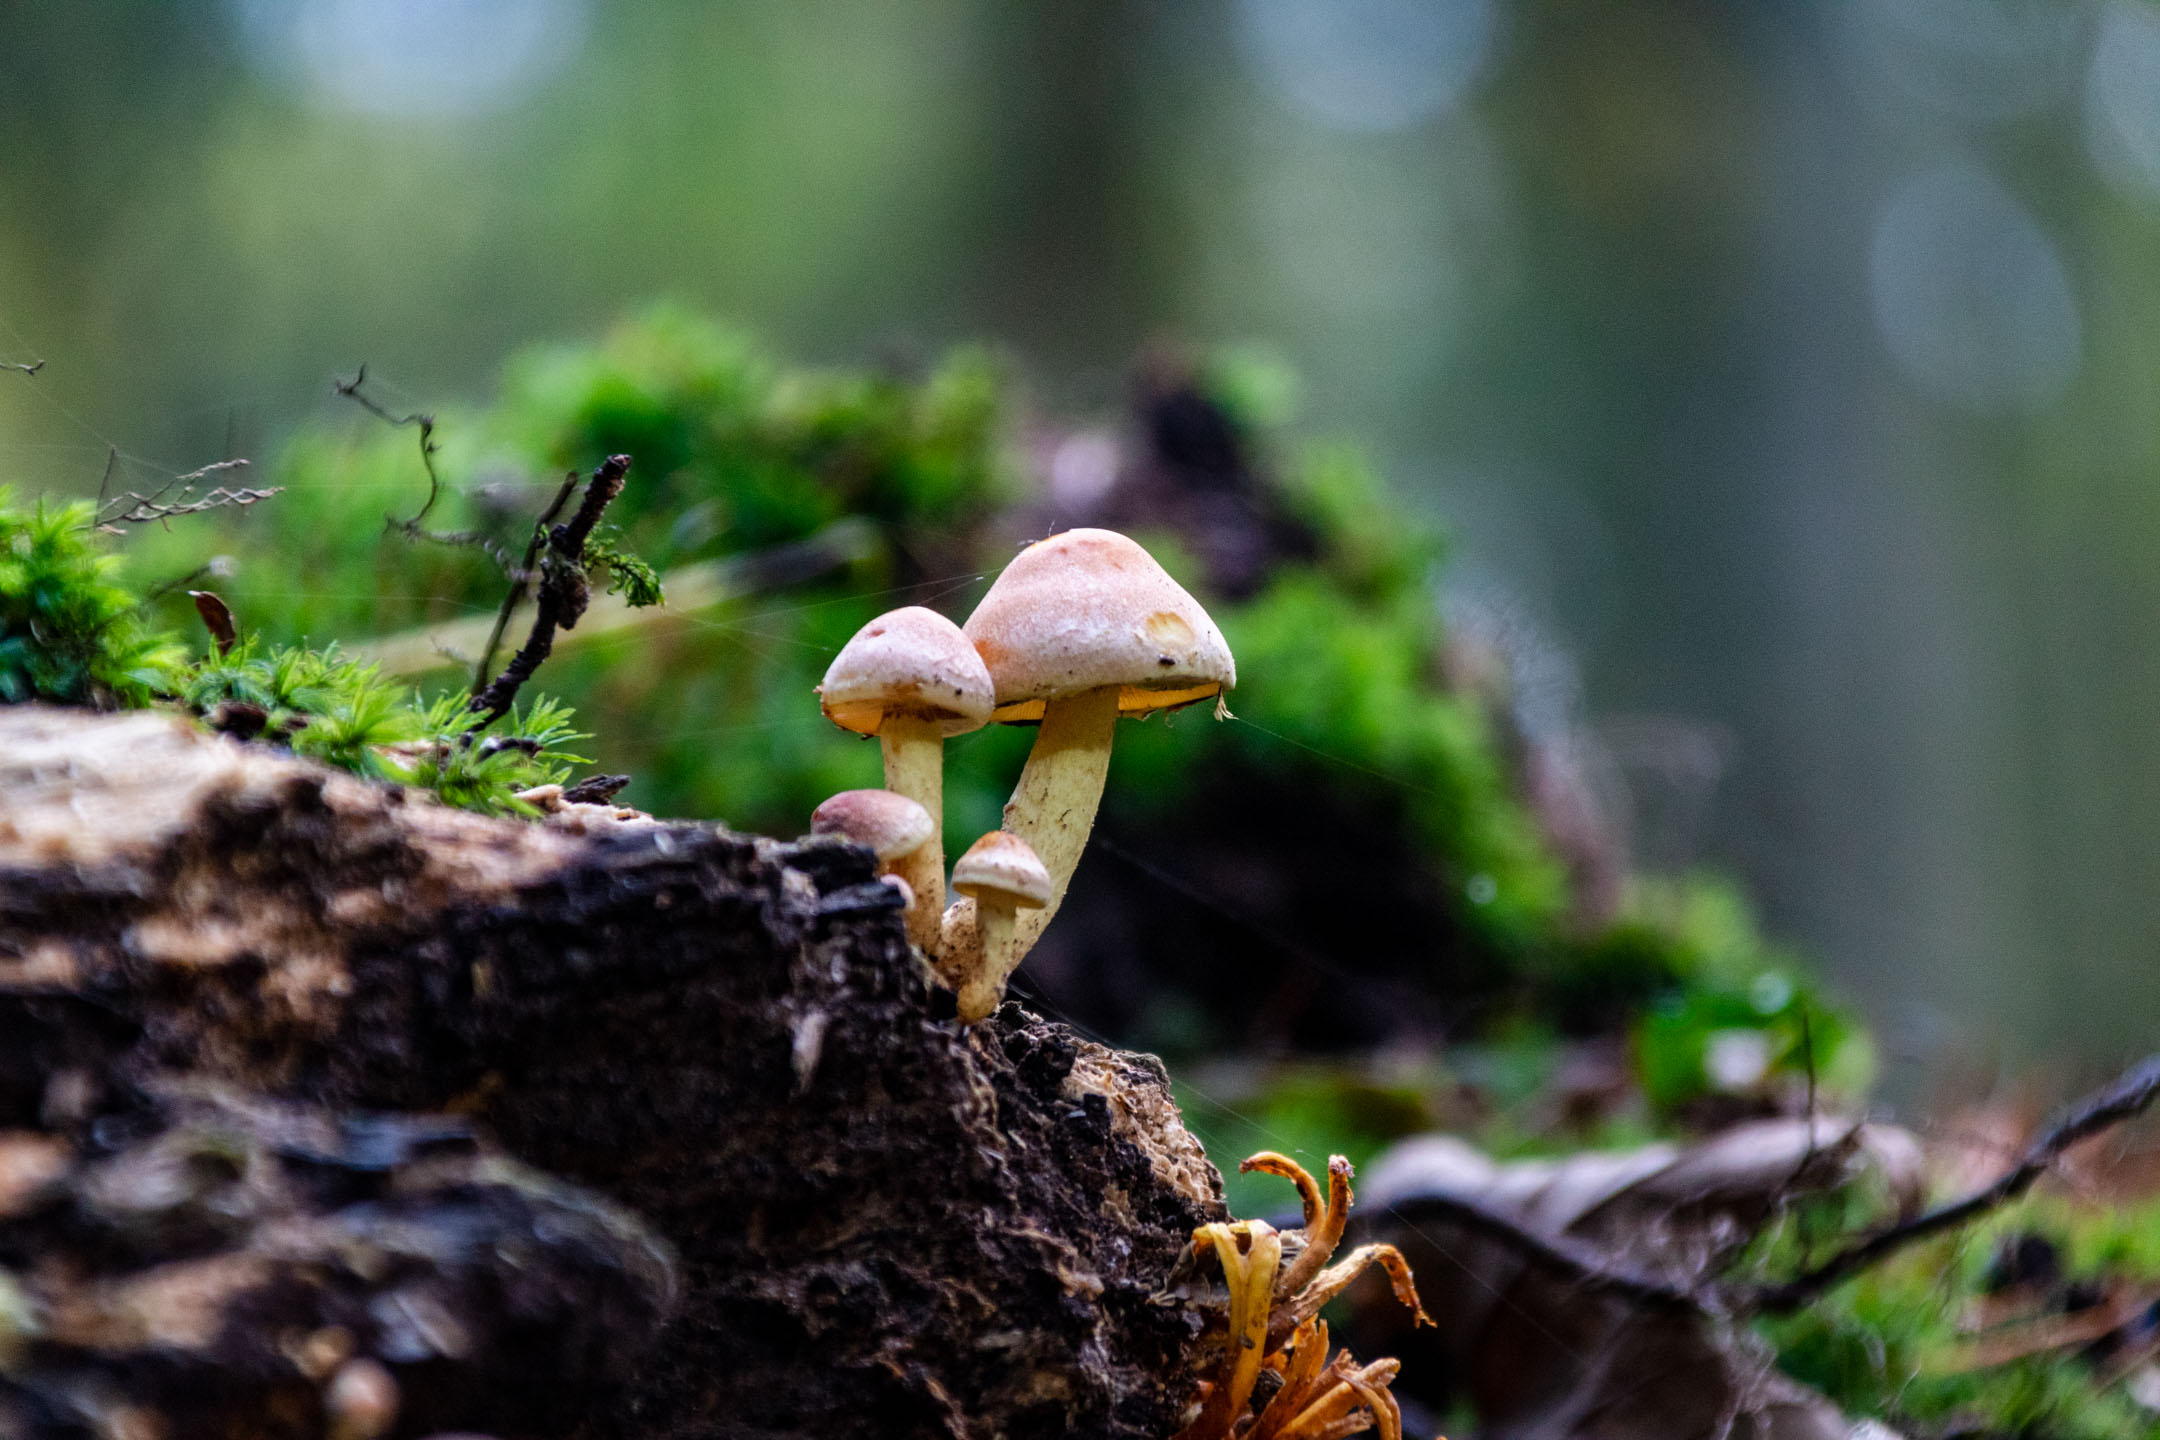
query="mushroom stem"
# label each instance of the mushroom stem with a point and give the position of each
(981, 990)
(914, 751)
(923, 870)
(1053, 806)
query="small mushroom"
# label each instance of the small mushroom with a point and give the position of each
(1002, 875)
(912, 679)
(1080, 629)
(898, 831)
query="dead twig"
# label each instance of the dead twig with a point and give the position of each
(414, 527)
(2128, 1096)
(135, 508)
(520, 578)
(564, 588)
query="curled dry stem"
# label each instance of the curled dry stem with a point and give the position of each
(1316, 1401)
(1309, 1301)
(1325, 1220)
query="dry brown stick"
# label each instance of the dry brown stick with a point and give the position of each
(564, 589)
(519, 579)
(2129, 1095)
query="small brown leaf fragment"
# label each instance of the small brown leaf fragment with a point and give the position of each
(217, 616)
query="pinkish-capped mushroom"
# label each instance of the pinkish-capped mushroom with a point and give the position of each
(1080, 629)
(898, 831)
(1002, 875)
(912, 679)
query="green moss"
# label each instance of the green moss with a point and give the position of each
(69, 634)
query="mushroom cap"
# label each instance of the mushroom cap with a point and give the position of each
(1003, 864)
(1087, 609)
(891, 825)
(909, 661)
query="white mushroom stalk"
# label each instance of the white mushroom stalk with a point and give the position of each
(912, 679)
(1080, 629)
(896, 829)
(1003, 876)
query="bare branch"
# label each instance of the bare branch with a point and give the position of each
(520, 578)
(414, 527)
(134, 508)
(564, 588)
(2129, 1095)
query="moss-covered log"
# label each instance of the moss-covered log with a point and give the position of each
(884, 1224)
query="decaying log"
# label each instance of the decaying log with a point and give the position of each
(206, 1264)
(881, 1223)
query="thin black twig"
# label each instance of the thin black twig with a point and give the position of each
(163, 588)
(564, 589)
(112, 458)
(520, 579)
(2129, 1095)
(415, 525)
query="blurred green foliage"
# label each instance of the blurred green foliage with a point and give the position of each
(1897, 1341)
(1713, 985)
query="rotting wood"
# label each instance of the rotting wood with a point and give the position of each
(884, 1225)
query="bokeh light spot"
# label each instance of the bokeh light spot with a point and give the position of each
(422, 58)
(1970, 295)
(2122, 99)
(1367, 65)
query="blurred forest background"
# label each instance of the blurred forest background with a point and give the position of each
(1786, 379)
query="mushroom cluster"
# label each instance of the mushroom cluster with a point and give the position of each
(1079, 631)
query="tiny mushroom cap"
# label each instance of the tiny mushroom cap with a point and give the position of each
(911, 663)
(1087, 609)
(1003, 865)
(891, 825)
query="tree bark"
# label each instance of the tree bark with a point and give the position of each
(810, 1205)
